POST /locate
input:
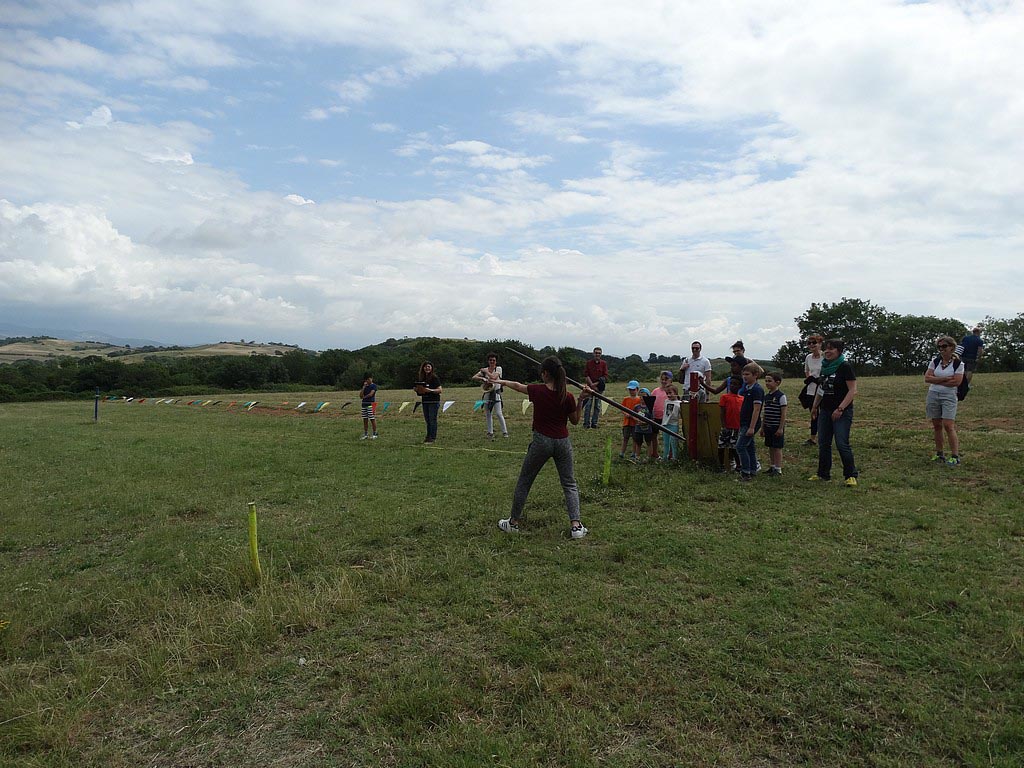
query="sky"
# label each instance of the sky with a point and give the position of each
(633, 175)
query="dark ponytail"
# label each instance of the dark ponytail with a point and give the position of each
(553, 367)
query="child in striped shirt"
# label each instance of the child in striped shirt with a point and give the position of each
(774, 425)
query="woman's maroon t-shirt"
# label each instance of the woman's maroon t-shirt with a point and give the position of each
(550, 415)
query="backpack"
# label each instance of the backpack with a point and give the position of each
(963, 387)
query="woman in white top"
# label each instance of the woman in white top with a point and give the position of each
(943, 377)
(812, 369)
(492, 395)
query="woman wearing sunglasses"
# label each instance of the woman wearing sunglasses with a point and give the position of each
(943, 377)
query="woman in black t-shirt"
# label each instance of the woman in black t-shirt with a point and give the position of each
(833, 408)
(428, 387)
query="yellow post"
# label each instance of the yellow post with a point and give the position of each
(254, 551)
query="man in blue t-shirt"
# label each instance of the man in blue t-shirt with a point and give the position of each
(973, 349)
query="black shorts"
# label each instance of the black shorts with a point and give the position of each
(773, 439)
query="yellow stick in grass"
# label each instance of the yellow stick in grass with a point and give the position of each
(254, 550)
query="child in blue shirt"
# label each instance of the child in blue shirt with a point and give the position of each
(750, 420)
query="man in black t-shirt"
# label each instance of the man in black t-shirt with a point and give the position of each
(833, 408)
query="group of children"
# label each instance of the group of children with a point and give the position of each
(663, 405)
(746, 408)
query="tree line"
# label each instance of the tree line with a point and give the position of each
(393, 363)
(880, 342)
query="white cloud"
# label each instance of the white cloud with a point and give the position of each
(167, 155)
(479, 154)
(100, 117)
(298, 200)
(182, 83)
(323, 113)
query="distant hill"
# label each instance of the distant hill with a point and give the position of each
(7, 330)
(44, 348)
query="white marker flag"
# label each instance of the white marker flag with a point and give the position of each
(448, 404)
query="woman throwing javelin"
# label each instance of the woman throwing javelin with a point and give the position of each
(553, 407)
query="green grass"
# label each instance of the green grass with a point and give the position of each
(702, 622)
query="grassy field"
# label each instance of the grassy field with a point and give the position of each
(703, 621)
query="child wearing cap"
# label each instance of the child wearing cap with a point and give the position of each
(643, 432)
(630, 401)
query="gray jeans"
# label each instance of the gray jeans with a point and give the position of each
(541, 449)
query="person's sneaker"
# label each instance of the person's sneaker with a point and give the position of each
(578, 532)
(815, 478)
(506, 435)
(745, 478)
(490, 435)
(939, 457)
(373, 436)
(851, 482)
(774, 471)
(364, 437)
(809, 441)
(953, 461)
(758, 466)
(508, 526)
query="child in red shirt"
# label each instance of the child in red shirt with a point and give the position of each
(730, 404)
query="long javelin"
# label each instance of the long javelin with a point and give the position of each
(603, 399)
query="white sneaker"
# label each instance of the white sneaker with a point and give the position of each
(508, 526)
(364, 437)
(578, 533)
(373, 436)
